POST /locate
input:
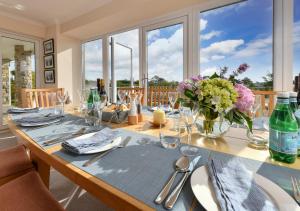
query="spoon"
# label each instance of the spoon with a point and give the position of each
(181, 165)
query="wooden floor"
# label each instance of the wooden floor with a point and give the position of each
(61, 187)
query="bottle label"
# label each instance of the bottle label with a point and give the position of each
(284, 142)
(293, 100)
(283, 100)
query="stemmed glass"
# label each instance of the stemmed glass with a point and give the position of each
(99, 106)
(62, 98)
(173, 96)
(257, 137)
(122, 94)
(189, 115)
(256, 105)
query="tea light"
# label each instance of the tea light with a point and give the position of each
(159, 117)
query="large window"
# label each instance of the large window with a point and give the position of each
(165, 54)
(296, 65)
(126, 58)
(236, 34)
(92, 62)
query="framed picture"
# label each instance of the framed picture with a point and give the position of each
(48, 46)
(49, 76)
(49, 61)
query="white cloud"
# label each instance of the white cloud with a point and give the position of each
(255, 47)
(210, 35)
(203, 24)
(165, 57)
(219, 50)
(209, 71)
(153, 34)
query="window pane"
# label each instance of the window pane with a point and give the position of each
(165, 55)
(297, 43)
(126, 56)
(92, 62)
(236, 34)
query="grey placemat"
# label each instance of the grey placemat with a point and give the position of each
(68, 125)
(141, 170)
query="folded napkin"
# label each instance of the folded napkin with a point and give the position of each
(22, 110)
(235, 188)
(81, 145)
(39, 119)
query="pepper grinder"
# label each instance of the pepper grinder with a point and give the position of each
(132, 116)
(140, 107)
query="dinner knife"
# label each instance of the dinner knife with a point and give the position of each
(97, 157)
(61, 139)
(172, 198)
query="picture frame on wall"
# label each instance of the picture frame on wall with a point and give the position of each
(48, 46)
(49, 61)
(49, 76)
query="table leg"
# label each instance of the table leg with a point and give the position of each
(42, 168)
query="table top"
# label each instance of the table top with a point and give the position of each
(234, 143)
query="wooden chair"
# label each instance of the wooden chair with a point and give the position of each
(158, 95)
(39, 97)
(135, 89)
(267, 100)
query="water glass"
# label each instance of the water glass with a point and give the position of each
(170, 139)
(189, 117)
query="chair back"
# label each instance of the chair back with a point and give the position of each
(135, 89)
(158, 95)
(39, 97)
(267, 100)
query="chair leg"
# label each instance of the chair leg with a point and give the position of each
(73, 193)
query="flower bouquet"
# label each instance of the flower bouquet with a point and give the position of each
(217, 97)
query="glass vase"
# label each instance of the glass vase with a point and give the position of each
(212, 128)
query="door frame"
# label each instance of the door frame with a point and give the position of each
(38, 55)
(144, 49)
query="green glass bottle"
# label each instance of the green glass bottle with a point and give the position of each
(293, 101)
(283, 134)
(93, 97)
(296, 111)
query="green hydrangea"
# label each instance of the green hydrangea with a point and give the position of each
(218, 94)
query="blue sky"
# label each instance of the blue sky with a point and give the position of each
(229, 36)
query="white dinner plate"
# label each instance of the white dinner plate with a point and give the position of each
(204, 191)
(112, 144)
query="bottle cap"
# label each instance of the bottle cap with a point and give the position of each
(293, 94)
(283, 94)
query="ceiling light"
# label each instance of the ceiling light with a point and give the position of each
(19, 7)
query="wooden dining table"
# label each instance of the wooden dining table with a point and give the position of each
(234, 142)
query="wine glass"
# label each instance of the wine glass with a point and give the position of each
(99, 105)
(122, 94)
(62, 98)
(256, 105)
(189, 115)
(172, 99)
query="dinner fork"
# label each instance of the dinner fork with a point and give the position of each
(296, 188)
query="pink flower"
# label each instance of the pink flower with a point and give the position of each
(245, 99)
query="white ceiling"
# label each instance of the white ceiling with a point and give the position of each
(49, 12)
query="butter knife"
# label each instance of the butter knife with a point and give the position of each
(61, 139)
(172, 198)
(97, 157)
